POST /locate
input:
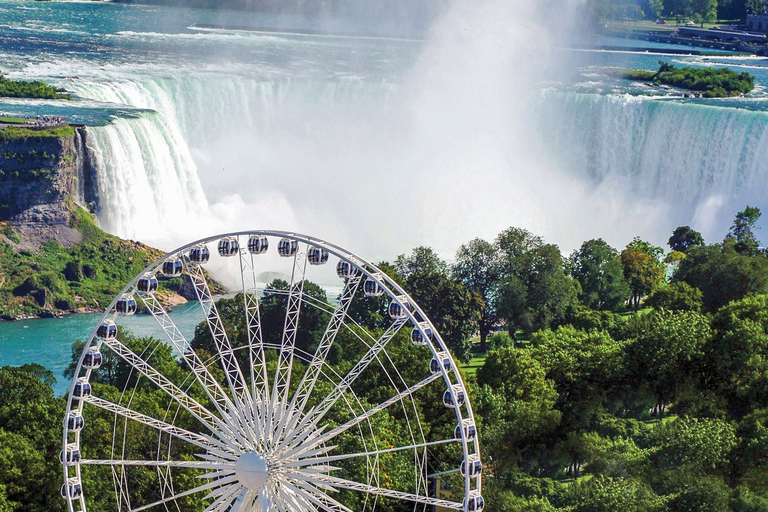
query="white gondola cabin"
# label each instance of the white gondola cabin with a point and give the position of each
(71, 455)
(258, 244)
(75, 422)
(317, 255)
(173, 267)
(472, 464)
(72, 488)
(372, 286)
(82, 388)
(421, 334)
(147, 284)
(287, 247)
(442, 358)
(93, 359)
(474, 503)
(457, 391)
(126, 305)
(397, 308)
(345, 269)
(199, 254)
(107, 330)
(228, 246)
(470, 432)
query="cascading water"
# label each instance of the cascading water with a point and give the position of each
(707, 162)
(147, 180)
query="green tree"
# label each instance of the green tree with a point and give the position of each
(586, 367)
(422, 260)
(597, 267)
(683, 238)
(477, 267)
(667, 352)
(604, 494)
(723, 274)
(743, 230)
(736, 356)
(517, 404)
(678, 296)
(454, 310)
(643, 270)
(535, 291)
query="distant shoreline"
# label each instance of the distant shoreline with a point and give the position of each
(298, 32)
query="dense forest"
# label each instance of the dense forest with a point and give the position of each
(606, 380)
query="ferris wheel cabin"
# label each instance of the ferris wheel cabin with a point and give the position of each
(287, 247)
(258, 244)
(147, 284)
(126, 305)
(228, 246)
(317, 255)
(173, 267)
(199, 254)
(107, 330)
(75, 422)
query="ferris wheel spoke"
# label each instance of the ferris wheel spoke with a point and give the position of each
(309, 379)
(200, 413)
(341, 483)
(329, 401)
(258, 363)
(232, 371)
(210, 385)
(282, 381)
(200, 440)
(243, 502)
(159, 463)
(200, 488)
(296, 449)
(291, 501)
(226, 498)
(315, 497)
(333, 458)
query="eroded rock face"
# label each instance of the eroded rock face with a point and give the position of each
(38, 177)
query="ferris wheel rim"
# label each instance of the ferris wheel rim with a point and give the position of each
(413, 314)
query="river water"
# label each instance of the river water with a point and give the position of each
(49, 341)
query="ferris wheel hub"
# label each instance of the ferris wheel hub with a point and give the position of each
(252, 470)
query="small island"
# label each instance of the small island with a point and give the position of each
(21, 89)
(709, 82)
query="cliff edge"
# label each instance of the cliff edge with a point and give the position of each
(54, 258)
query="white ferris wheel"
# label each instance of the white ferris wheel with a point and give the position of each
(336, 417)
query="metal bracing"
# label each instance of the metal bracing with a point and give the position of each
(282, 381)
(309, 379)
(202, 441)
(200, 413)
(355, 372)
(210, 385)
(227, 358)
(340, 483)
(256, 355)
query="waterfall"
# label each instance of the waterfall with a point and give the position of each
(258, 147)
(147, 181)
(706, 162)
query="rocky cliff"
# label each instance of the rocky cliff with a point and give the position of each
(39, 174)
(53, 256)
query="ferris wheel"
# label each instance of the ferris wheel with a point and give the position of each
(283, 400)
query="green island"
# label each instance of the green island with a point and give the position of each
(21, 89)
(710, 82)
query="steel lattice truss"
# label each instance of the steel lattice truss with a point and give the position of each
(256, 435)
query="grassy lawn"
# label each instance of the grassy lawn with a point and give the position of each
(12, 120)
(470, 369)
